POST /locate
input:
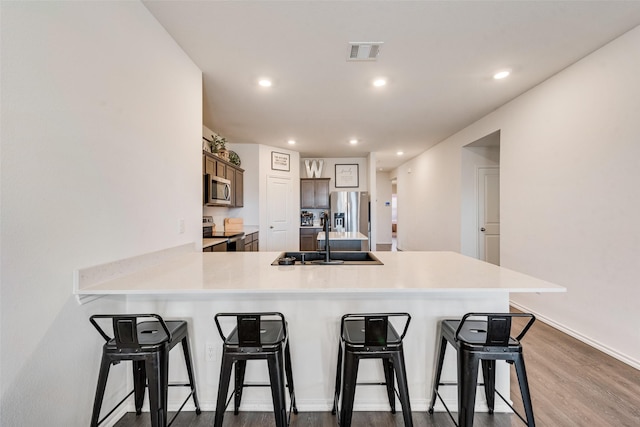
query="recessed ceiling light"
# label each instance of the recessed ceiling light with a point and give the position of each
(291, 141)
(353, 141)
(501, 74)
(379, 82)
(265, 82)
(400, 153)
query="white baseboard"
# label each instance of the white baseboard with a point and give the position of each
(115, 417)
(577, 335)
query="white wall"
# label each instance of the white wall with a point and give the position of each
(428, 190)
(329, 171)
(250, 158)
(101, 130)
(569, 186)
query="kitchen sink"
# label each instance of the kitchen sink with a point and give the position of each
(317, 257)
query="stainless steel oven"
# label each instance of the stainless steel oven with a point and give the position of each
(236, 243)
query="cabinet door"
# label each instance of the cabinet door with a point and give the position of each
(239, 190)
(307, 243)
(221, 247)
(209, 166)
(231, 176)
(322, 193)
(307, 193)
(308, 239)
(221, 169)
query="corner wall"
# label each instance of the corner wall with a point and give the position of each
(101, 159)
(569, 177)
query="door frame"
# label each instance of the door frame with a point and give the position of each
(479, 240)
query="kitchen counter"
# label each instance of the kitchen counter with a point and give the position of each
(344, 241)
(428, 285)
(402, 272)
(212, 241)
(343, 235)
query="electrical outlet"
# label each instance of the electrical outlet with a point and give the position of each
(181, 226)
(210, 352)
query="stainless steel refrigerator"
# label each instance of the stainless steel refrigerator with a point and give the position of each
(350, 211)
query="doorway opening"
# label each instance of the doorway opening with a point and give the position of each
(394, 216)
(386, 211)
(480, 216)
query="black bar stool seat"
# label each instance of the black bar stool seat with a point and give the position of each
(371, 336)
(146, 344)
(256, 336)
(482, 338)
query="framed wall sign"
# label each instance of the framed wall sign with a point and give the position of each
(347, 176)
(280, 161)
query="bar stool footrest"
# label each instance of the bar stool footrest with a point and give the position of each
(430, 410)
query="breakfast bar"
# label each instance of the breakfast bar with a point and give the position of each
(428, 285)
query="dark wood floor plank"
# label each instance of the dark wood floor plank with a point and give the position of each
(319, 419)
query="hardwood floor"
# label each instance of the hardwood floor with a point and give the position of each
(571, 383)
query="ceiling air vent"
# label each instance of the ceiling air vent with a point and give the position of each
(364, 51)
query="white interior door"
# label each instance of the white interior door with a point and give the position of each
(278, 213)
(489, 214)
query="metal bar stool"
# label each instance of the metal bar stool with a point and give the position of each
(371, 336)
(482, 340)
(147, 345)
(256, 336)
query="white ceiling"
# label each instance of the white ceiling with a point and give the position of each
(438, 57)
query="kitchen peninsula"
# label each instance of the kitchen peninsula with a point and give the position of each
(428, 285)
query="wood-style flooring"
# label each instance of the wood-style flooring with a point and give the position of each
(571, 383)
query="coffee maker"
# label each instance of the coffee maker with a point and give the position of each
(306, 218)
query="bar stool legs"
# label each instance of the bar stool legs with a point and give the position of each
(276, 377)
(146, 344)
(482, 343)
(256, 336)
(370, 336)
(346, 377)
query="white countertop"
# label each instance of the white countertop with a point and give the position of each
(252, 272)
(343, 235)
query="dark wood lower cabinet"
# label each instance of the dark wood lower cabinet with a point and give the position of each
(308, 239)
(251, 242)
(220, 247)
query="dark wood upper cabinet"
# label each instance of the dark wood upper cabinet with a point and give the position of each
(314, 193)
(239, 188)
(215, 166)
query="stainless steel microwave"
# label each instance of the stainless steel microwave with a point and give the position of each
(217, 190)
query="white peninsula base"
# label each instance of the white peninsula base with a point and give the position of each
(428, 285)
